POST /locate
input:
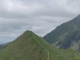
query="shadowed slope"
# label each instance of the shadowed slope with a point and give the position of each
(66, 35)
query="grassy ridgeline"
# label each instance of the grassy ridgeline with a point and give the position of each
(29, 46)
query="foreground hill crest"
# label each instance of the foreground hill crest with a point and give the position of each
(29, 46)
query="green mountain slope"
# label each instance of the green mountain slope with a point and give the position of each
(66, 35)
(29, 46)
(4, 45)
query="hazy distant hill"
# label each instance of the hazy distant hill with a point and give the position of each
(66, 35)
(4, 45)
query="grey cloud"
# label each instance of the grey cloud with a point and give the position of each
(36, 8)
(40, 16)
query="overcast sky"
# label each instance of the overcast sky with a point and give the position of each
(40, 16)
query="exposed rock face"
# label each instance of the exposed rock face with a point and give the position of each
(66, 35)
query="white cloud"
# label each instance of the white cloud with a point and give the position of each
(40, 16)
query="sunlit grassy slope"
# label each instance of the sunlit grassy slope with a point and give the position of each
(29, 46)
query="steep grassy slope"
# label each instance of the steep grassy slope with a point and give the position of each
(29, 46)
(66, 35)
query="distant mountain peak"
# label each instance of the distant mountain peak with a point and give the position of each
(66, 35)
(77, 17)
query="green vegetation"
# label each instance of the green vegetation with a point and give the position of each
(29, 46)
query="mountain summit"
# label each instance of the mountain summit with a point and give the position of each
(67, 35)
(29, 46)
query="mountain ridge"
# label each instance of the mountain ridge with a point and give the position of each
(29, 46)
(66, 35)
